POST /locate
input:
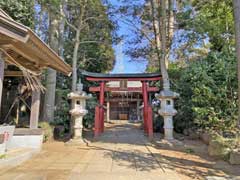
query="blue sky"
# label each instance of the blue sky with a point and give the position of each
(126, 32)
(129, 66)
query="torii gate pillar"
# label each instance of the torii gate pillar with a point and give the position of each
(147, 111)
(101, 102)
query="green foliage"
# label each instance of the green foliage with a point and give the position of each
(3, 156)
(21, 11)
(95, 53)
(62, 116)
(158, 121)
(208, 93)
(213, 19)
(47, 131)
(51, 4)
(88, 120)
(189, 150)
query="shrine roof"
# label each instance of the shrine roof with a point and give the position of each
(128, 76)
(22, 47)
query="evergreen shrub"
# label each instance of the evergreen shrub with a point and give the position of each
(208, 93)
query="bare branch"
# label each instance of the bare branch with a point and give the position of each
(85, 42)
(70, 25)
(92, 18)
(130, 23)
(63, 15)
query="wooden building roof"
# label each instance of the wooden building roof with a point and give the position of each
(118, 77)
(21, 46)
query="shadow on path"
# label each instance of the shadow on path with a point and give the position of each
(133, 150)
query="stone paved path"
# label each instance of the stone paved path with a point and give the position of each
(122, 153)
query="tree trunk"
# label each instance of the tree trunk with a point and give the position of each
(159, 27)
(236, 5)
(76, 46)
(170, 28)
(156, 32)
(74, 61)
(162, 19)
(49, 99)
(61, 29)
(171, 19)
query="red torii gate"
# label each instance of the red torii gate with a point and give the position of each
(103, 78)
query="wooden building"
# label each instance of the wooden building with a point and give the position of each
(124, 105)
(24, 55)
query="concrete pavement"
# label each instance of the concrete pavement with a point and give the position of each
(121, 153)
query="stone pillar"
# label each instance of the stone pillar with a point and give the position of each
(108, 111)
(77, 127)
(167, 111)
(34, 116)
(2, 64)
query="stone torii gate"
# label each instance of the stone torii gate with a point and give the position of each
(102, 79)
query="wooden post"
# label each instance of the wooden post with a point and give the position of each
(2, 64)
(145, 108)
(35, 109)
(101, 102)
(108, 111)
(97, 124)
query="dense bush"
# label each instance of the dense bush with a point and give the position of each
(88, 120)
(62, 116)
(158, 121)
(208, 93)
(47, 131)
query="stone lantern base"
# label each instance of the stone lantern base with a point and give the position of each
(75, 142)
(77, 127)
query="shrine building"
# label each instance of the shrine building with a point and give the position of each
(121, 97)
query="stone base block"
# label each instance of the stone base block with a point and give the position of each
(205, 137)
(171, 143)
(26, 141)
(2, 148)
(234, 157)
(75, 142)
(218, 149)
(168, 134)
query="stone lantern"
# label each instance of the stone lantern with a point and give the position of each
(167, 111)
(77, 112)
